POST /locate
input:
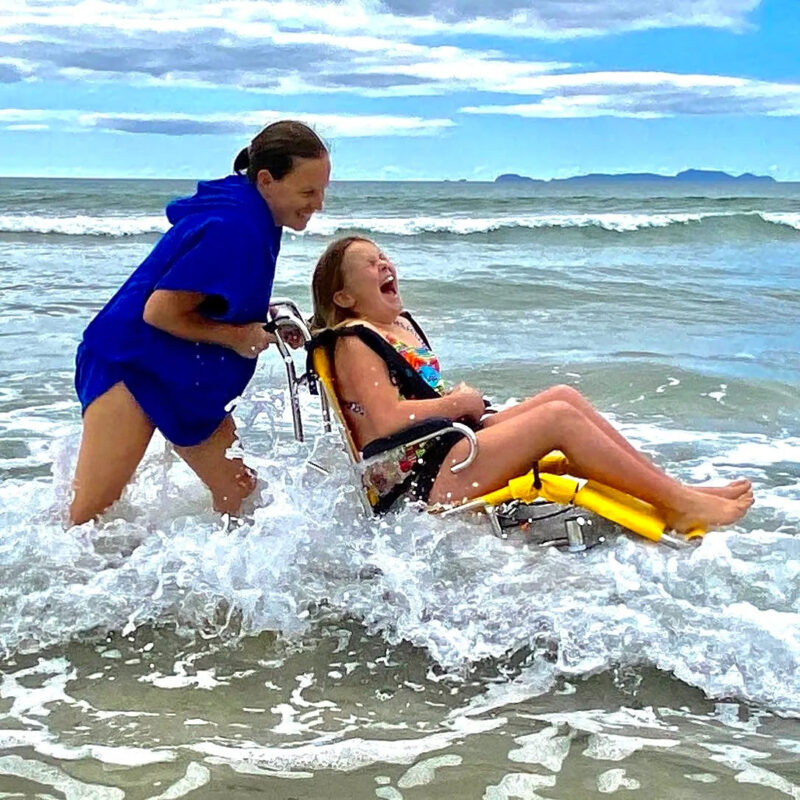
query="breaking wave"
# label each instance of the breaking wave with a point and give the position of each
(322, 225)
(83, 225)
(619, 222)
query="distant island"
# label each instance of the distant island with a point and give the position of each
(687, 176)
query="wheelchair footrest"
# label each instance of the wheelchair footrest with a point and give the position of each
(549, 524)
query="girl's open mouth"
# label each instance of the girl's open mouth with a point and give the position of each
(389, 285)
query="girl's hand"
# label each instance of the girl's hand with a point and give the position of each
(251, 340)
(470, 401)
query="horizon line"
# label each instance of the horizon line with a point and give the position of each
(523, 178)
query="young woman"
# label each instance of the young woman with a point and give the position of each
(355, 289)
(178, 343)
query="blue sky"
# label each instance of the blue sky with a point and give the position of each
(402, 89)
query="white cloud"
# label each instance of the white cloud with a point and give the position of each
(646, 95)
(33, 116)
(369, 49)
(393, 18)
(561, 19)
(233, 44)
(337, 126)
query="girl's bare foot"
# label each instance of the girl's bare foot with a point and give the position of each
(731, 490)
(706, 511)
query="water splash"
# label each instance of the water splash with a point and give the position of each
(725, 617)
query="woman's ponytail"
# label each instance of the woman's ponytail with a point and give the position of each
(242, 161)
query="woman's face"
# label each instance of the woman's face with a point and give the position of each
(370, 284)
(294, 198)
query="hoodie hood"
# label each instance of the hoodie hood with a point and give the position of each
(221, 197)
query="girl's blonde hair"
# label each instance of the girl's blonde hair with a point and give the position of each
(329, 279)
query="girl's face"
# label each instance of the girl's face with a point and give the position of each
(294, 198)
(370, 286)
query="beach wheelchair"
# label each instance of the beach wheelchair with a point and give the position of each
(546, 506)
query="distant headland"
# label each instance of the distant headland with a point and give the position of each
(687, 176)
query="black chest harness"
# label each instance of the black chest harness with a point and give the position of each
(407, 380)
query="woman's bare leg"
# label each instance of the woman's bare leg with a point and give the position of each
(116, 433)
(229, 480)
(572, 396)
(510, 446)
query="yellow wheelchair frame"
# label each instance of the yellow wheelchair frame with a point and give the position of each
(519, 503)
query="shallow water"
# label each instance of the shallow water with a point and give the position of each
(345, 715)
(311, 653)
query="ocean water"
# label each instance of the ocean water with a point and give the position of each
(311, 653)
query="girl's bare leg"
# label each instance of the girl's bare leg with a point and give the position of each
(510, 446)
(229, 480)
(116, 433)
(572, 396)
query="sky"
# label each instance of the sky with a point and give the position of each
(402, 89)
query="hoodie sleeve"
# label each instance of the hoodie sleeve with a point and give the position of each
(220, 261)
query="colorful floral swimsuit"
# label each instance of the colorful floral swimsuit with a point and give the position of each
(424, 361)
(409, 470)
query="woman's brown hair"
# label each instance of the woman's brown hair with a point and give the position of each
(329, 279)
(276, 147)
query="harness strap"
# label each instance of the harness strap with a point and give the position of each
(417, 329)
(411, 385)
(537, 479)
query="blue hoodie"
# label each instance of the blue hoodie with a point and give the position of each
(223, 243)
